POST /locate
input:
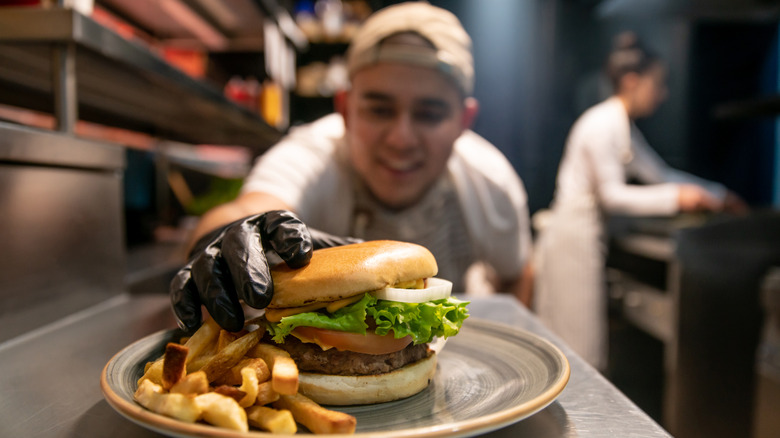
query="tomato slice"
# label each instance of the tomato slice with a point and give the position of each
(370, 343)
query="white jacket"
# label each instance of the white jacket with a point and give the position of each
(603, 151)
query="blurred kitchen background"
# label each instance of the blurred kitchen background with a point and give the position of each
(123, 120)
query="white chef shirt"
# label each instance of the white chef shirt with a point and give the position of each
(604, 150)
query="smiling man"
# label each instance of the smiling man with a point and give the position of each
(398, 160)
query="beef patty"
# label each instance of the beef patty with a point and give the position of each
(312, 358)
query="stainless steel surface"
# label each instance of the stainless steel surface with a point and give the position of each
(766, 423)
(118, 82)
(152, 266)
(64, 80)
(719, 320)
(49, 384)
(641, 276)
(648, 308)
(60, 227)
(19, 144)
(654, 247)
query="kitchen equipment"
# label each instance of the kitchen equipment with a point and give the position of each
(696, 288)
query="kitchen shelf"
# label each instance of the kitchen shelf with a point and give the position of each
(322, 51)
(643, 305)
(758, 107)
(653, 247)
(118, 82)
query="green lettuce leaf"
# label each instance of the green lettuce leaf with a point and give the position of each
(421, 321)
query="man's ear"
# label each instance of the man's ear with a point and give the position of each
(470, 111)
(340, 103)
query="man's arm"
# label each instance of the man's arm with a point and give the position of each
(245, 205)
(523, 288)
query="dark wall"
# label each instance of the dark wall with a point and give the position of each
(512, 43)
(734, 63)
(538, 65)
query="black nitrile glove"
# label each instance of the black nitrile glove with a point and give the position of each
(229, 265)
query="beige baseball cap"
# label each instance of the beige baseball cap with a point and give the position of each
(449, 50)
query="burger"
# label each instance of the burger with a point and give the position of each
(359, 318)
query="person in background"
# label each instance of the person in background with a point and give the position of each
(396, 161)
(604, 151)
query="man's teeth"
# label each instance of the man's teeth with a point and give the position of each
(401, 167)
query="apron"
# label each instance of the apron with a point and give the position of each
(570, 295)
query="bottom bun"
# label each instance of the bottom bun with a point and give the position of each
(328, 389)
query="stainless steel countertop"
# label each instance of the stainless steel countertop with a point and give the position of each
(49, 378)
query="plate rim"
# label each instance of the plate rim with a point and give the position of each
(489, 422)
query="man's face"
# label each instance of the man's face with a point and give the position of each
(401, 121)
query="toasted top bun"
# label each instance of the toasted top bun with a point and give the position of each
(349, 270)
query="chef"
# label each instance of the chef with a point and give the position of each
(396, 161)
(604, 151)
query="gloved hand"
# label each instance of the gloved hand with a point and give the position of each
(229, 265)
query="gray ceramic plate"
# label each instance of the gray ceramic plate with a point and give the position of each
(490, 375)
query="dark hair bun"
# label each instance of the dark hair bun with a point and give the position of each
(628, 56)
(626, 41)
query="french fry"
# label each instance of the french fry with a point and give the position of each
(150, 395)
(248, 377)
(316, 418)
(233, 376)
(284, 376)
(174, 364)
(197, 363)
(225, 338)
(222, 411)
(231, 354)
(257, 320)
(192, 384)
(260, 367)
(273, 420)
(284, 371)
(257, 364)
(249, 385)
(266, 394)
(202, 338)
(230, 391)
(196, 344)
(153, 372)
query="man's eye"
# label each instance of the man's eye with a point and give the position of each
(381, 111)
(430, 116)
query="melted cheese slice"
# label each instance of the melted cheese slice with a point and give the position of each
(275, 315)
(411, 284)
(322, 345)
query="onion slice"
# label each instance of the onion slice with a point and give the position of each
(437, 289)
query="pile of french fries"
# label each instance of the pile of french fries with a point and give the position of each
(234, 380)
